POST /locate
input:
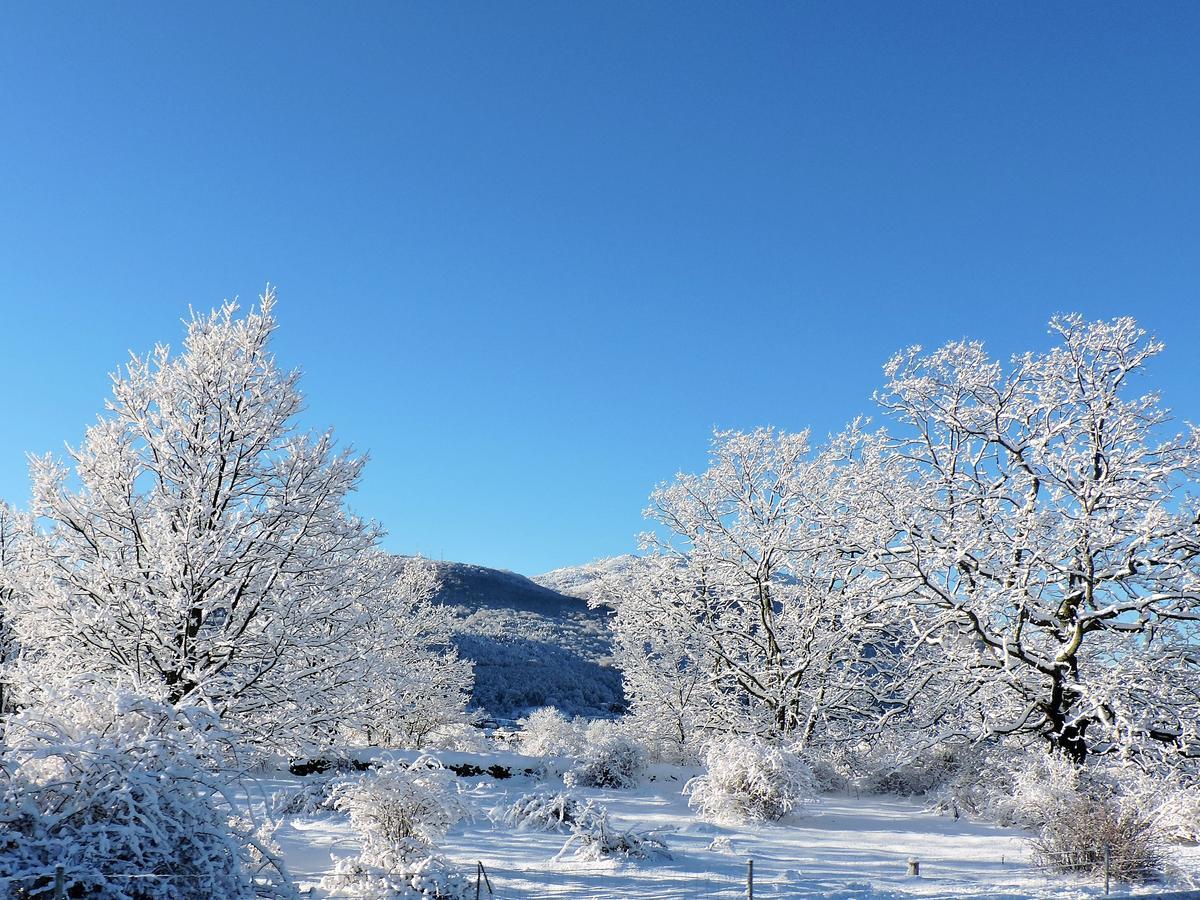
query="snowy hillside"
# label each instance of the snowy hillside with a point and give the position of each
(532, 645)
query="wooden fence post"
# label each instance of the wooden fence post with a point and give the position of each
(750, 879)
(60, 883)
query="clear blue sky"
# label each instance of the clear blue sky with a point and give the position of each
(529, 254)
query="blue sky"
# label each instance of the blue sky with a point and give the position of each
(530, 254)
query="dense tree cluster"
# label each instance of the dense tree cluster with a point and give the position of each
(1015, 553)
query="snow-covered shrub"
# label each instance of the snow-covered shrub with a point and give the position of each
(1042, 785)
(426, 878)
(911, 771)
(541, 812)
(828, 777)
(459, 738)
(1091, 832)
(611, 759)
(315, 795)
(720, 844)
(594, 837)
(1170, 799)
(667, 735)
(748, 780)
(1079, 813)
(118, 789)
(982, 783)
(1176, 814)
(547, 732)
(401, 809)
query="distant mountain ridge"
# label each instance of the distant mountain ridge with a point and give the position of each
(532, 645)
(466, 584)
(581, 581)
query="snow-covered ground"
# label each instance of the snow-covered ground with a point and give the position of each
(840, 847)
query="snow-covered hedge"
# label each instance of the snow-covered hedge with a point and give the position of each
(747, 779)
(118, 790)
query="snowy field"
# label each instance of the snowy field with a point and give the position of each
(840, 847)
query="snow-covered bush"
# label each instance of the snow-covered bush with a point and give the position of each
(594, 837)
(401, 809)
(426, 878)
(1170, 798)
(1176, 812)
(674, 739)
(1091, 832)
(541, 812)
(459, 738)
(1042, 785)
(983, 787)
(907, 767)
(611, 759)
(749, 780)
(829, 777)
(1014, 785)
(1080, 814)
(547, 732)
(118, 790)
(315, 795)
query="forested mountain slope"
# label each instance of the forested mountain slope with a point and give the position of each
(532, 646)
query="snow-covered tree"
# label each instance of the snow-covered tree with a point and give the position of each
(199, 548)
(1035, 528)
(745, 617)
(12, 528)
(1018, 554)
(405, 690)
